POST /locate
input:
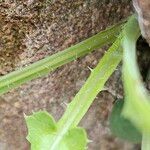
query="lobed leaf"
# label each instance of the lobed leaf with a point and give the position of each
(43, 129)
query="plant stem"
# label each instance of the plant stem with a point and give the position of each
(83, 100)
(146, 142)
(137, 101)
(46, 65)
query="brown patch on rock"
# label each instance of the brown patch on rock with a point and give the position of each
(11, 36)
(143, 10)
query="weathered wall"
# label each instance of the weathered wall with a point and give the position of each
(33, 29)
(142, 8)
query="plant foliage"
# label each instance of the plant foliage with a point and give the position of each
(82, 101)
(122, 127)
(137, 100)
(43, 129)
(50, 63)
(46, 134)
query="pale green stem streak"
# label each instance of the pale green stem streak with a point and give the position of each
(94, 84)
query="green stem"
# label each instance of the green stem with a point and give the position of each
(95, 83)
(83, 100)
(146, 142)
(44, 66)
(137, 101)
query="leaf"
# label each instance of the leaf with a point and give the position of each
(137, 103)
(76, 138)
(43, 129)
(68, 135)
(50, 63)
(122, 127)
(82, 101)
(94, 84)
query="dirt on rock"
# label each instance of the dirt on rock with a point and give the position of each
(33, 29)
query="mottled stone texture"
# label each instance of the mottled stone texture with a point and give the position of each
(33, 29)
(142, 8)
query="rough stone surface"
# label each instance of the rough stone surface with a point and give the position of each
(142, 8)
(33, 29)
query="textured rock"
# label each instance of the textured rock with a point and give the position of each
(142, 8)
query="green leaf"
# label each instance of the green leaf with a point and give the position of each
(122, 127)
(82, 101)
(43, 129)
(76, 138)
(68, 135)
(94, 84)
(50, 63)
(137, 103)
